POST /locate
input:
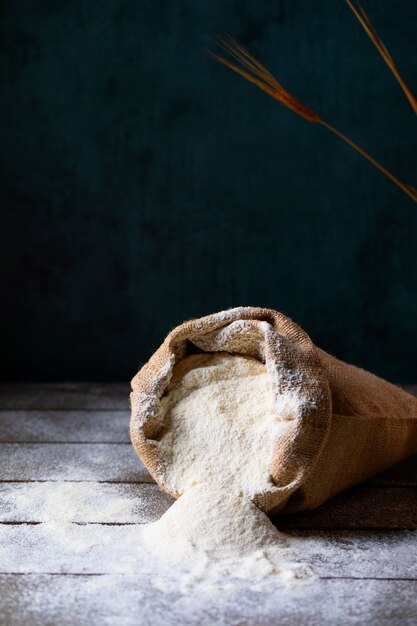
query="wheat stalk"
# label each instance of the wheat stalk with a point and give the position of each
(382, 49)
(250, 68)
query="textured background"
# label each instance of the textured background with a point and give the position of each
(142, 183)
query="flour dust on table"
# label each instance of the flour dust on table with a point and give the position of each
(220, 425)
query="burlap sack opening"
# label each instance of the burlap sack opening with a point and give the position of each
(342, 424)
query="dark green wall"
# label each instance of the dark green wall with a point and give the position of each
(142, 183)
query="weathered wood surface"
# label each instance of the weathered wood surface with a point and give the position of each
(66, 461)
(58, 426)
(129, 601)
(73, 495)
(65, 396)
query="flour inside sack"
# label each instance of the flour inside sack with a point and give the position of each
(220, 425)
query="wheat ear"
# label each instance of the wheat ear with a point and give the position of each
(250, 68)
(382, 49)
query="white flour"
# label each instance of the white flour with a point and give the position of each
(217, 449)
(220, 424)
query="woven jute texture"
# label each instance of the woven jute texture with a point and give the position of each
(349, 424)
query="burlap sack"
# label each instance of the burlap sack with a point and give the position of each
(348, 424)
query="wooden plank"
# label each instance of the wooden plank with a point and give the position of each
(82, 502)
(73, 426)
(65, 396)
(58, 547)
(361, 508)
(133, 601)
(66, 461)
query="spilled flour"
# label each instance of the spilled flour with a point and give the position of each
(220, 426)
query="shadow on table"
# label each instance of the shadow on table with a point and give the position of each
(386, 502)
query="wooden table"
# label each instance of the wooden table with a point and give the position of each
(67, 445)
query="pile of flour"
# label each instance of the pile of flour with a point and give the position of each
(220, 427)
